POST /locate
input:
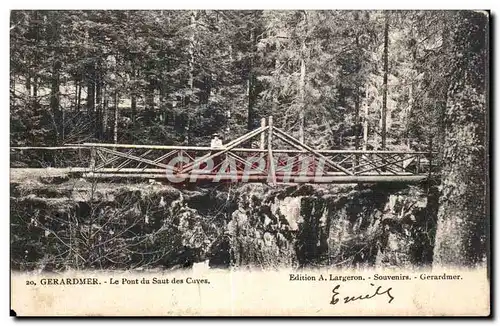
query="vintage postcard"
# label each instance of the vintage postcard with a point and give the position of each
(249, 163)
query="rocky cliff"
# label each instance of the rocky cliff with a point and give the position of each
(60, 224)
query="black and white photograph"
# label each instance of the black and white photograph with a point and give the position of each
(251, 141)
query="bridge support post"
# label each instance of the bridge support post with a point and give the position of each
(272, 172)
(92, 158)
(263, 135)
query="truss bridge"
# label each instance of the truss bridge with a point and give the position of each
(266, 154)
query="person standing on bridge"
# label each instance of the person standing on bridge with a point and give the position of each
(216, 141)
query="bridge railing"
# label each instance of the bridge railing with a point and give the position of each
(188, 160)
(225, 163)
(121, 156)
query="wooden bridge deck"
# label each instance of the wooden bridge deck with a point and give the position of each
(21, 174)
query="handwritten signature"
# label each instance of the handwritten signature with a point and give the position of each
(350, 298)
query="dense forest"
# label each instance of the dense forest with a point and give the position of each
(334, 79)
(172, 77)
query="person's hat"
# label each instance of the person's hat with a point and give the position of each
(215, 134)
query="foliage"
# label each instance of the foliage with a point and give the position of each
(174, 77)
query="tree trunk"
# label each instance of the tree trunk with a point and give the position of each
(365, 122)
(79, 102)
(150, 101)
(54, 87)
(461, 236)
(91, 91)
(133, 106)
(105, 112)
(302, 85)
(163, 103)
(133, 99)
(54, 99)
(100, 112)
(63, 123)
(191, 77)
(250, 83)
(275, 106)
(35, 88)
(356, 120)
(408, 116)
(357, 126)
(115, 129)
(35, 59)
(28, 84)
(150, 96)
(13, 77)
(76, 95)
(250, 114)
(386, 67)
